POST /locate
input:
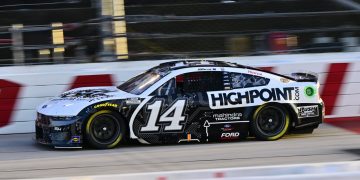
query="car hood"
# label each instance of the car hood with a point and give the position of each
(70, 103)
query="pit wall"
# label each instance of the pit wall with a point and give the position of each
(23, 88)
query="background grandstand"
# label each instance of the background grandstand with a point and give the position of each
(63, 31)
(50, 46)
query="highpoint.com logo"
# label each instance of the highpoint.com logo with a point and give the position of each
(249, 97)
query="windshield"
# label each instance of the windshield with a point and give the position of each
(140, 83)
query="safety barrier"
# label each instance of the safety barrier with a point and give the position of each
(23, 88)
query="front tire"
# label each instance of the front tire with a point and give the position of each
(104, 129)
(270, 122)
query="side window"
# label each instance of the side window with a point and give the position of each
(166, 89)
(192, 82)
(200, 82)
(240, 80)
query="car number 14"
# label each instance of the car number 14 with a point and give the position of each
(174, 115)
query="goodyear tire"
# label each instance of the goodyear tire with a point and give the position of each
(105, 129)
(270, 122)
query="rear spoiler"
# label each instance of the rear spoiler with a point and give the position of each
(304, 77)
(298, 76)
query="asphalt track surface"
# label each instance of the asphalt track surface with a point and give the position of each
(20, 157)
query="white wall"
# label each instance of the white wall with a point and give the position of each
(41, 82)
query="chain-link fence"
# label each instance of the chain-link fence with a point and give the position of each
(77, 31)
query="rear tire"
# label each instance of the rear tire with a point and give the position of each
(105, 129)
(270, 122)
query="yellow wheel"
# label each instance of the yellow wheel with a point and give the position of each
(104, 129)
(270, 122)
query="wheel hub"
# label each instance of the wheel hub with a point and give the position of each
(104, 128)
(271, 121)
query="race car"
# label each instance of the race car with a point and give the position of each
(180, 102)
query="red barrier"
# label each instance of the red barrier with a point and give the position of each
(92, 80)
(9, 93)
(333, 84)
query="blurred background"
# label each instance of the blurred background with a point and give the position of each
(79, 36)
(79, 31)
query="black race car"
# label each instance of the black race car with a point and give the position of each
(180, 102)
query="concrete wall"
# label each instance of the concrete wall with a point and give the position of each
(23, 88)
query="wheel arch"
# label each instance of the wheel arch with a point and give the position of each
(94, 111)
(290, 108)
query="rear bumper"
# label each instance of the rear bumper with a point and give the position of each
(58, 134)
(311, 120)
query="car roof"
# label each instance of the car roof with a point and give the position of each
(198, 63)
(181, 64)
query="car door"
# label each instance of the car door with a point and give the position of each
(172, 114)
(231, 110)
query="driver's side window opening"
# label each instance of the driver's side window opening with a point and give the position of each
(166, 89)
(192, 82)
(200, 82)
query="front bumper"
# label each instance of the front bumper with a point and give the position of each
(58, 133)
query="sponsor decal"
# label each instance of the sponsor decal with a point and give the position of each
(308, 111)
(254, 73)
(133, 101)
(87, 94)
(284, 80)
(206, 69)
(75, 139)
(57, 128)
(240, 98)
(227, 127)
(309, 91)
(106, 105)
(230, 135)
(227, 116)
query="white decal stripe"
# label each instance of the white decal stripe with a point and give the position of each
(132, 134)
(228, 122)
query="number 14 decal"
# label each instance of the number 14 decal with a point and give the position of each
(173, 114)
